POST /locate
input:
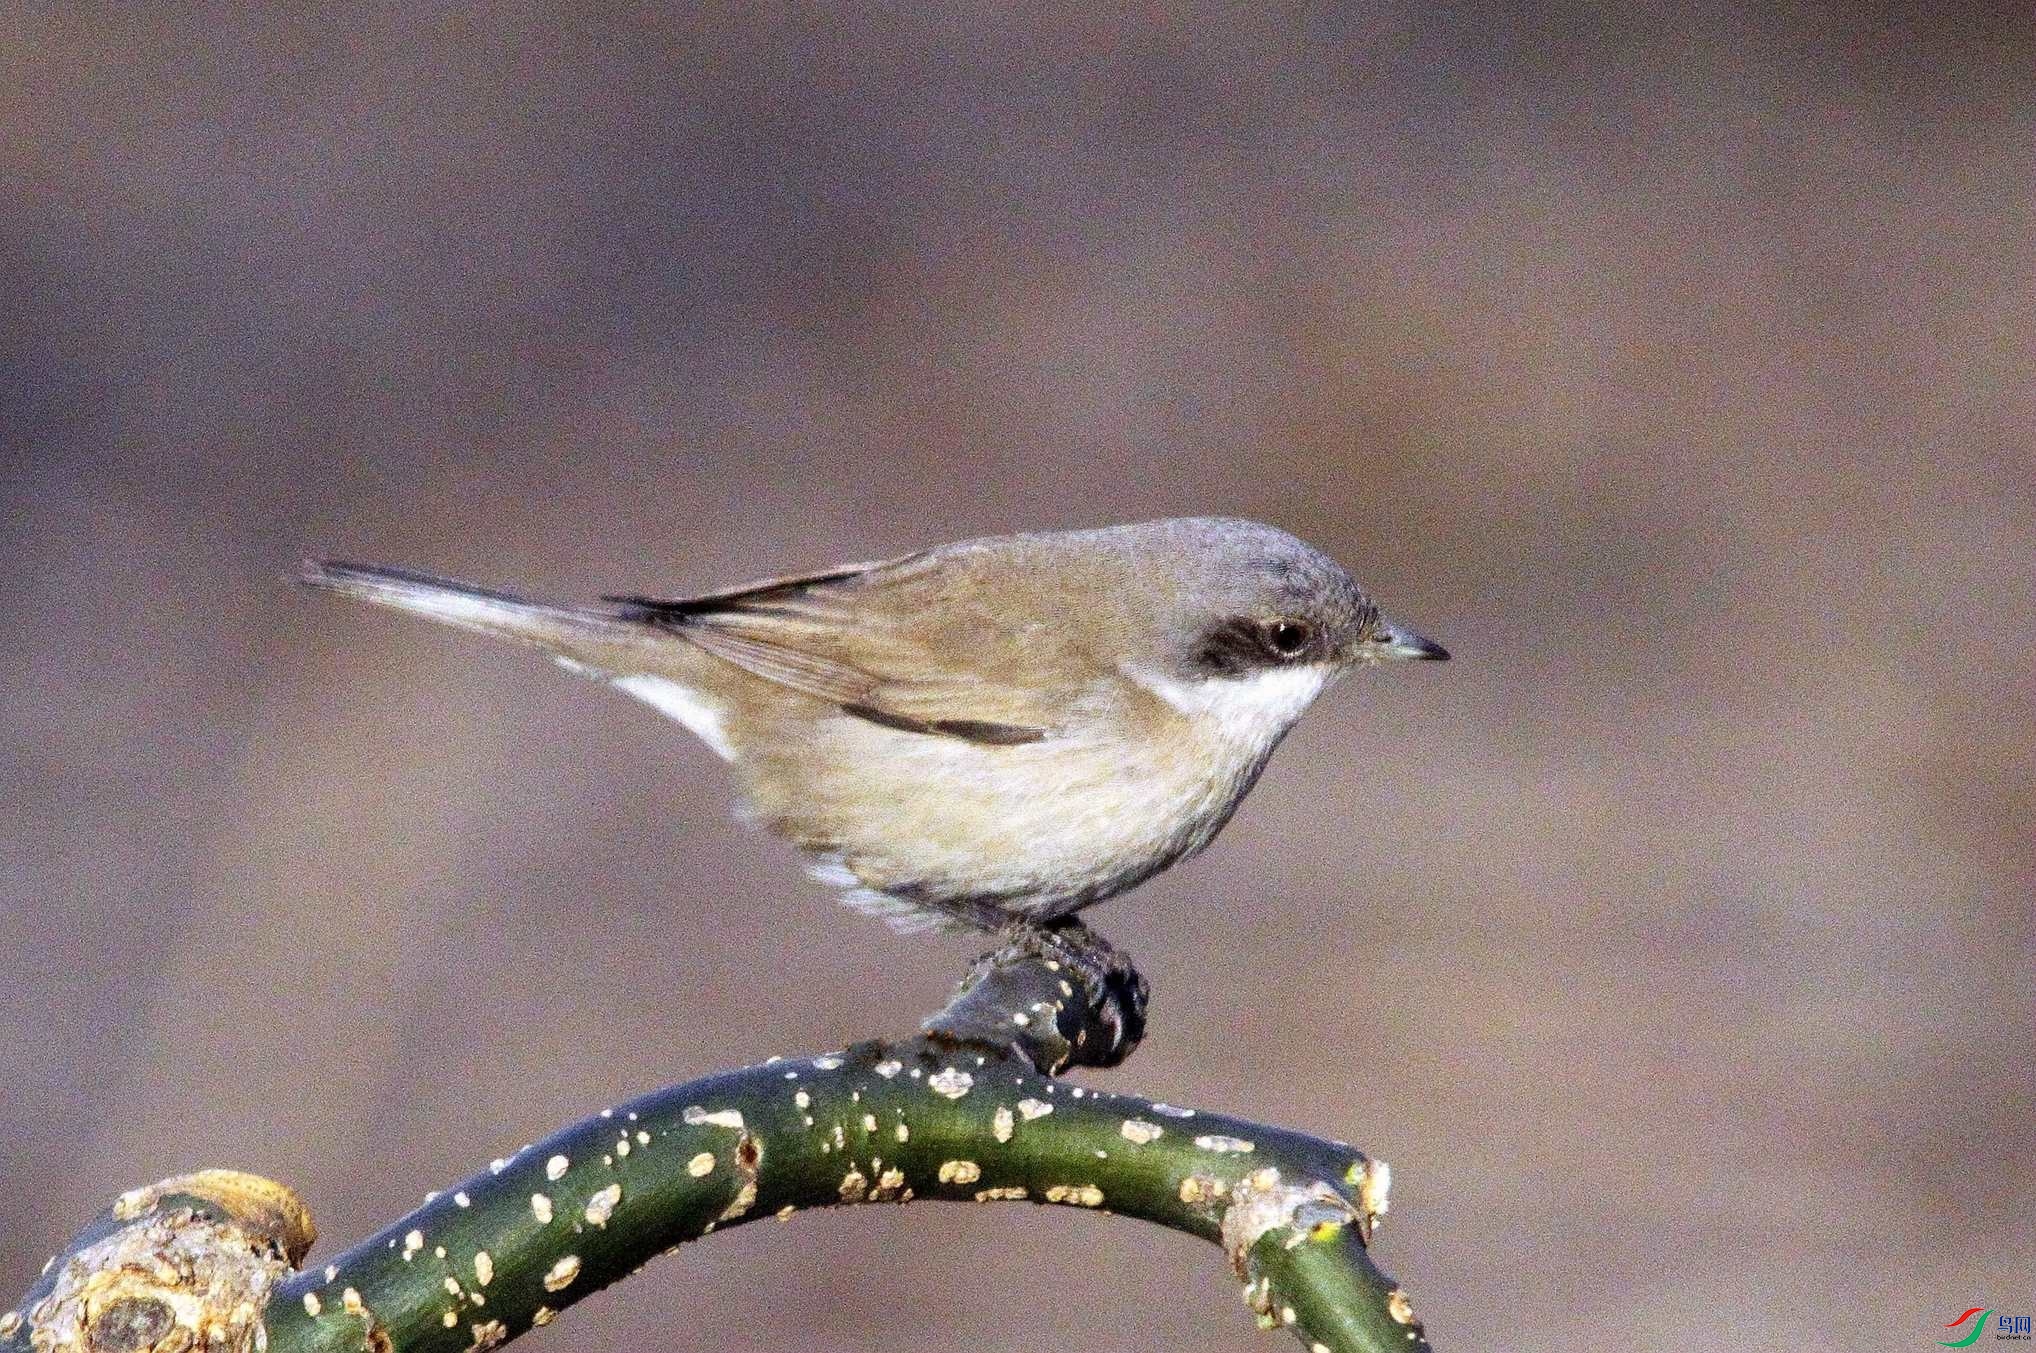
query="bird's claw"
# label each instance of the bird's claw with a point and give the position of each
(1103, 977)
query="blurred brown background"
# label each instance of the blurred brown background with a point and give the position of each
(1673, 943)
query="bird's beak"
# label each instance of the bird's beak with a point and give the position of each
(1393, 640)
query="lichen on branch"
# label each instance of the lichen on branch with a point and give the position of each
(189, 1263)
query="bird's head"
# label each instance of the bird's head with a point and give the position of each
(1247, 624)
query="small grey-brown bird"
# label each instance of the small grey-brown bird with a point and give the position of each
(991, 732)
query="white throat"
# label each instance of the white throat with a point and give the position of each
(1250, 711)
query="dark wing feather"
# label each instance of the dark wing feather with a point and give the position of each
(754, 592)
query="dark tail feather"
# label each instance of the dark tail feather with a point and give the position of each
(591, 636)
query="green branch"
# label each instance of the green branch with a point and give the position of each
(951, 1114)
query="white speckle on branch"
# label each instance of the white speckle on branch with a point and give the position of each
(727, 1118)
(601, 1206)
(950, 1083)
(561, 1274)
(1080, 1195)
(1374, 1180)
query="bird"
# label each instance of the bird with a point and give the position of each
(990, 734)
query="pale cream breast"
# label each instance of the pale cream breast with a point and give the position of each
(1130, 784)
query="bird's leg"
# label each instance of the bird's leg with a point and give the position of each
(1069, 942)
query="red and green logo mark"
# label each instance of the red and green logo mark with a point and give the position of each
(1978, 1328)
(2014, 1327)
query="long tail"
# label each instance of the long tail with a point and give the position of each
(598, 638)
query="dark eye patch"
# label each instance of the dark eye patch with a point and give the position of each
(1245, 644)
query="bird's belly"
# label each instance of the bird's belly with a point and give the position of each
(1038, 830)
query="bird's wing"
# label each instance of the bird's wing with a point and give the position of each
(872, 639)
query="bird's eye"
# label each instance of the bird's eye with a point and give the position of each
(1288, 638)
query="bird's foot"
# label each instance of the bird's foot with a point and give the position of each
(1113, 991)
(1054, 990)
